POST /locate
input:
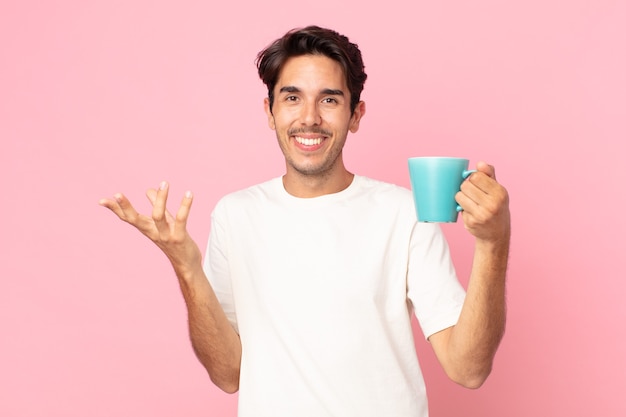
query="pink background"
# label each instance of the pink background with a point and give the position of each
(104, 96)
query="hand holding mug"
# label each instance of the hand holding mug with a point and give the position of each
(485, 205)
(443, 186)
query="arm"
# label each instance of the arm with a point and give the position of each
(466, 350)
(214, 341)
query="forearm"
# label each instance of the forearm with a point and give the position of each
(215, 342)
(473, 341)
(466, 350)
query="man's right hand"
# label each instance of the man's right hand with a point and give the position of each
(169, 233)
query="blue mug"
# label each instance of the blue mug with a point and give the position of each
(435, 181)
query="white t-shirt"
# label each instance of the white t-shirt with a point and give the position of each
(321, 291)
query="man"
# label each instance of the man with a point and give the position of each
(311, 278)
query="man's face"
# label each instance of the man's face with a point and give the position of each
(311, 115)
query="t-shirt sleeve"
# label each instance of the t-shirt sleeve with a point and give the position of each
(216, 266)
(433, 287)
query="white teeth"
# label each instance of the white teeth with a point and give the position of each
(308, 142)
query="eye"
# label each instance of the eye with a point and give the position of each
(330, 100)
(291, 98)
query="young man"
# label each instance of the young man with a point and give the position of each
(311, 278)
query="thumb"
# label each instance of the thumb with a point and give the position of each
(487, 169)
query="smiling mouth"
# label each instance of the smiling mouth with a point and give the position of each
(309, 137)
(308, 141)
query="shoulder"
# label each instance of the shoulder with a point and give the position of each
(249, 197)
(387, 199)
(265, 189)
(384, 190)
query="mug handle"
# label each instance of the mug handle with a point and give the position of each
(465, 174)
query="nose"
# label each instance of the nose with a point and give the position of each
(310, 115)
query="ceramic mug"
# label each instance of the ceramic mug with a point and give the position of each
(435, 180)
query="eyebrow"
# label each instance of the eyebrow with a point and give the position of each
(325, 91)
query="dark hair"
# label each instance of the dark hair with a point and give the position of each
(317, 41)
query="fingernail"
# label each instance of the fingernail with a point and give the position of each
(188, 194)
(163, 185)
(118, 197)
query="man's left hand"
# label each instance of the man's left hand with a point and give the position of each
(485, 205)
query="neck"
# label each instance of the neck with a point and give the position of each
(309, 186)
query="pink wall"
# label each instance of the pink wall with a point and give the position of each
(105, 96)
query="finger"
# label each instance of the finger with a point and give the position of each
(473, 212)
(482, 196)
(475, 192)
(152, 196)
(121, 206)
(467, 203)
(159, 209)
(108, 203)
(482, 182)
(473, 188)
(113, 206)
(183, 212)
(485, 168)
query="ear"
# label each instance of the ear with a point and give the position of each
(268, 112)
(355, 120)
